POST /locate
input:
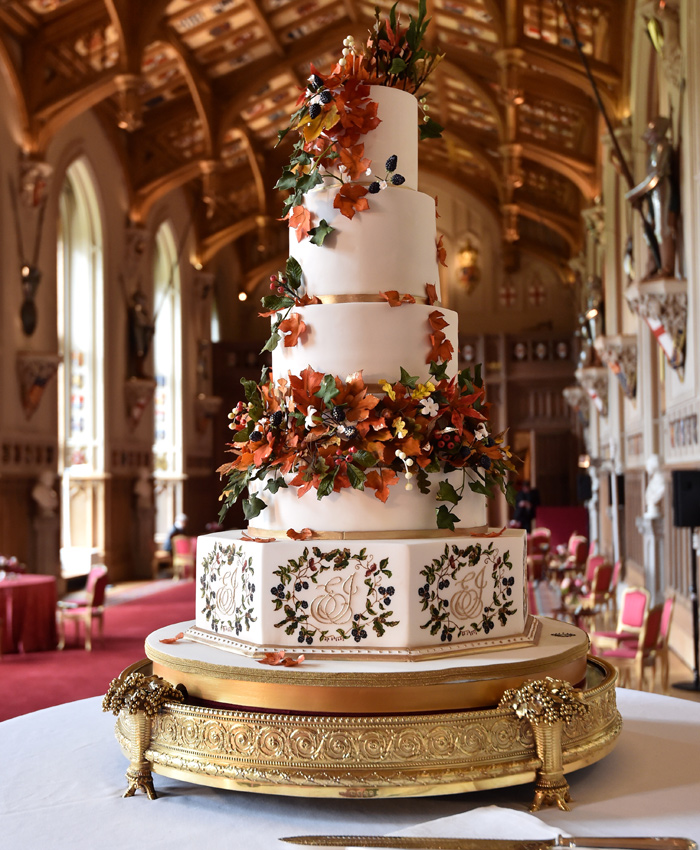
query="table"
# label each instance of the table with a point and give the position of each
(28, 609)
(63, 777)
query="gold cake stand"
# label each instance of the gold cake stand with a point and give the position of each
(537, 733)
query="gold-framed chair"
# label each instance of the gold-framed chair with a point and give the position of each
(635, 604)
(184, 556)
(86, 610)
(632, 657)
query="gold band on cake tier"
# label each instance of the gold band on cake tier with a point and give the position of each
(365, 298)
(454, 688)
(346, 756)
(394, 534)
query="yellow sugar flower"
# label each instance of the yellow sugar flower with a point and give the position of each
(400, 428)
(423, 391)
(386, 387)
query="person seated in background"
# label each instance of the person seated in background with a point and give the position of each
(179, 527)
(526, 502)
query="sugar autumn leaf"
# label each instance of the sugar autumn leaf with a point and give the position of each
(351, 199)
(354, 160)
(300, 220)
(324, 121)
(246, 536)
(441, 253)
(293, 327)
(437, 320)
(437, 214)
(392, 297)
(304, 534)
(380, 481)
(178, 636)
(431, 293)
(279, 658)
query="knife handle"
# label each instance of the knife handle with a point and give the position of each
(628, 843)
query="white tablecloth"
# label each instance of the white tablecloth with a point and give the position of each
(62, 777)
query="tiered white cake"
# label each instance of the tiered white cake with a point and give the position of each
(369, 573)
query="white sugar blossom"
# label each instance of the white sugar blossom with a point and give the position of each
(481, 433)
(310, 417)
(382, 184)
(429, 407)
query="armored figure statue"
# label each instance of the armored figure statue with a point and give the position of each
(141, 330)
(660, 186)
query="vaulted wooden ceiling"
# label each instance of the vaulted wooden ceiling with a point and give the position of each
(194, 92)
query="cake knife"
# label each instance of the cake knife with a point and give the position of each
(434, 843)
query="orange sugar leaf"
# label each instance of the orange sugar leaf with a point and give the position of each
(431, 293)
(351, 199)
(441, 253)
(304, 534)
(300, 220)
(293, 327)
(178, 636)
(246, 536)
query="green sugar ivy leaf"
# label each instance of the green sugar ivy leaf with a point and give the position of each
(439, 372)
(275, 303)
(357, 477)
(430, 129)
(242, 435)
(447, 493)
(325, 486)
(364, 458)
(397, 66)
(328, 389)
(446, 519)
(253, 506)
(288, 180)
(409, 381)
(293, 272)
(319, 233)
(281, 134)
(422, 481)
(275, 484)
(272, 342)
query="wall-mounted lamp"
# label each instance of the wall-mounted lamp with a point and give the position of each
(242, 296)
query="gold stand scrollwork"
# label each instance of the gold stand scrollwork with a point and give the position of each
(137, 699)
(548, 705)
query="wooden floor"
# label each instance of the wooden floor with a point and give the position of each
(680, 673)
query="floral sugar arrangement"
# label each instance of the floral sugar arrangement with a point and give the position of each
(336, 111)
(315, 431)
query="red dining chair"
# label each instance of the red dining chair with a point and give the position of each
(611, 596)
(635, 603)
(85, 611)
(631, 656)
(594, 601)
(184, 556)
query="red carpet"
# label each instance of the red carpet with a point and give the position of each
(37, 680)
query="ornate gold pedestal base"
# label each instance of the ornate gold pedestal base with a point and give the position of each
(140, 780)
(538, 733)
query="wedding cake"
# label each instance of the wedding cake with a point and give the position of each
(364, 457)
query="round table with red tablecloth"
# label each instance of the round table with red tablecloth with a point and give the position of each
(28, 613)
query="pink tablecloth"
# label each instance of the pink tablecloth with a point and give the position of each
(28, 613)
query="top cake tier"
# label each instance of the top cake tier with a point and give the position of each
(392, 244)
(396, 135)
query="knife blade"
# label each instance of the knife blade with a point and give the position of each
(434, 843)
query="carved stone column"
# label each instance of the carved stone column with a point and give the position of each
(663, 304)
(619, 353)
(594, 379)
